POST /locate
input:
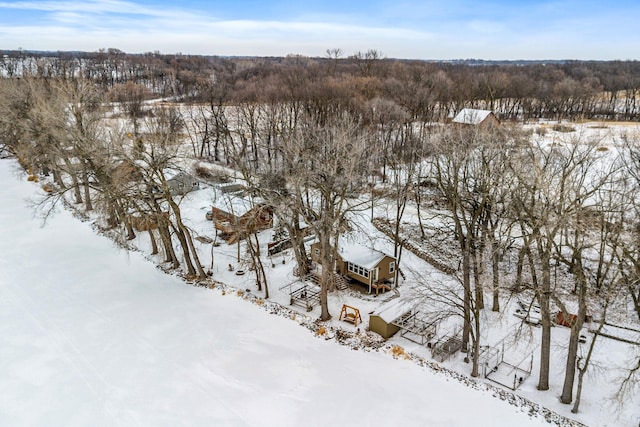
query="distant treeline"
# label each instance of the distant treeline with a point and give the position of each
(421, 90)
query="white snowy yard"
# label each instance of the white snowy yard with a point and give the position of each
(93, 335)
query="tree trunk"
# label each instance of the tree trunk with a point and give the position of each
(194, 252)
(261, 276)
(576, 404)
(154, 245)
(519, 266)
(88, 205)
(495, 276)
(191, 271)
(581, 284)
(184, 237)
(543, 299)
(327, 273)
(417, 198)
(477, 279)
(570, 373)
(476, 341)
(125, 219)
(165, 236)
(466, 283)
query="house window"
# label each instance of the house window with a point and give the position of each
(361, 271)
(392, 266)
(316, 251)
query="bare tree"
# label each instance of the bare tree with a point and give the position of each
(336, 161)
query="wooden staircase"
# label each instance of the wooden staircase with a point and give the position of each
(340, 282)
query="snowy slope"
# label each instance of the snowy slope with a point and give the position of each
(93, 335)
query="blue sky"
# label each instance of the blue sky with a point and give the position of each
(428, 29)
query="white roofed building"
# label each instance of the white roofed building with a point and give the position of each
(374, 269)
(473, 117)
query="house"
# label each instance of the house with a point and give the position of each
(235, 216)
(182, 183)
(369, 267)
(470, 116)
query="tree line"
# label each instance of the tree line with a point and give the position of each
(424, 90)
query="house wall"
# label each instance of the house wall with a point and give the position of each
(490, 121)
(383, 265)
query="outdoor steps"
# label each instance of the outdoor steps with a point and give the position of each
(339, 281)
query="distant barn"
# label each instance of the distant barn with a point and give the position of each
(470, 116)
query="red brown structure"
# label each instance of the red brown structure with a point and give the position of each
(239, 217)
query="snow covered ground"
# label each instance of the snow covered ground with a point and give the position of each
(94, 335)
(132, 341)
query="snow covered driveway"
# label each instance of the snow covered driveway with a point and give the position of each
(91, 335)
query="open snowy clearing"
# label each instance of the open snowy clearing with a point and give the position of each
(93, 335)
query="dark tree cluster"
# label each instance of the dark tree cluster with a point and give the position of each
(424, 90)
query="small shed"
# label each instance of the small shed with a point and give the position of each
(381, 320)
(473, 117)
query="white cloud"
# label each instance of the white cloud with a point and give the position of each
(99, 7)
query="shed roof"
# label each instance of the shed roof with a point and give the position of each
(470, 116)
(392, 310)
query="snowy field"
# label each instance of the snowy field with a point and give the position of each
(95, 336)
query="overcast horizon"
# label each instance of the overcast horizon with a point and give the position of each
(410, 29)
